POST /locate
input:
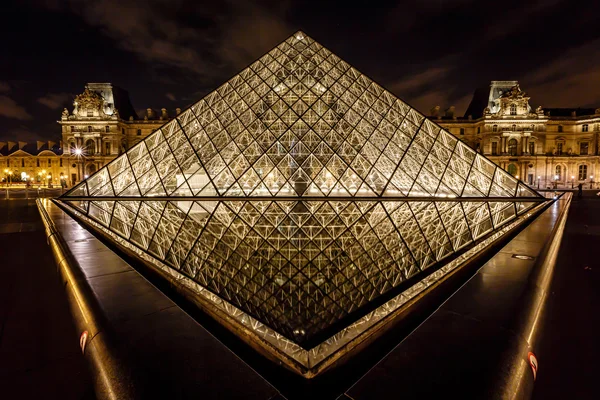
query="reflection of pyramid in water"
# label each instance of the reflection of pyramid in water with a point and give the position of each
(384, 192)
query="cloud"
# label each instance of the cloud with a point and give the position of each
(54, 101)
(10, 109)
(24, 134)
(428, 77)
(157, 33)
(171, 96)
(4, 87)
(569, 81)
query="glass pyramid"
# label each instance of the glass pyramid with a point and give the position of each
(299, 193)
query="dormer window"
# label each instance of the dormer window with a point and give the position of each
(513, 109)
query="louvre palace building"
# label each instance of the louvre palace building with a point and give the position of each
(544, 147)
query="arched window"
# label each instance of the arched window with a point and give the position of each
(513, 109)
(532, 148)
(512, 147)
(582, 172)
(558, 173)
(90, 147)
(512, 169)
(514, 128)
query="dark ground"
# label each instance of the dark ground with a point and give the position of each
(39, 350)
(569, 349)
(40, 357)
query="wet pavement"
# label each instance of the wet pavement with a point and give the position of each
(569, 349)
(39, 353)
(40, 357)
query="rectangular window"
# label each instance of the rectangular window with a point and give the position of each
(22, 162)
(582, 172)
(532, 148)
(583, 148)
(462, 131)
(37, 162)
(49, 162)
(495, 128)
(61, 162)
(139, 132)
(72, 128)
(107, 149)
(494, 148)
(584, 128)
(559, 147)
(560, 128)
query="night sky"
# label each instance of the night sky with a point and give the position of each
(170, 53)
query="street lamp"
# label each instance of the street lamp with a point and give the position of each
(539, 177)
(78, 153)
(7, 174)
(572, 180)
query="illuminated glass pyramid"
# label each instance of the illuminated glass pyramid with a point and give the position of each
(299, 194)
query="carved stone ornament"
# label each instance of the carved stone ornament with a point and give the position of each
(515, 93)
(88, 100)
(65, 113)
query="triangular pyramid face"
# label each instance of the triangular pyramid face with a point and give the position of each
(301, 122)
(300, 191)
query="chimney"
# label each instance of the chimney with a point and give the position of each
(149, 113)
(450, 112)
(178, 110)
(435, 111)
(163, 113)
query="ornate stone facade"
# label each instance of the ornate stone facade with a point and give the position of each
(545, 147)
(103, 124)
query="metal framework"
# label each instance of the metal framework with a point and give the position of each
(298, 193)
